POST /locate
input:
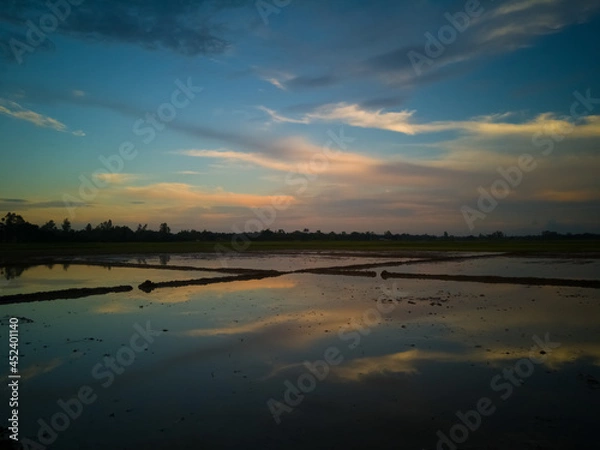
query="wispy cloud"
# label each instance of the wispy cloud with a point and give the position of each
(190, 172)
(116, 178)
(502, 29)
(295, 155)
(29, 205)
(16, 111)
(278, 118)
(404, 122)
(186, 194)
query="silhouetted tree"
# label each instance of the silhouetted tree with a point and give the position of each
(15, 229)
(49, 226)
(164, 229)
(66, 226)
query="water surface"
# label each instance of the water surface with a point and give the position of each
(410, 354)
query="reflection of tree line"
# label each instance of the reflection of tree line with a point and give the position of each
(12, 271)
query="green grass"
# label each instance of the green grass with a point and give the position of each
(17, 251)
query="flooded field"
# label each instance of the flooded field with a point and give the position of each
(300, 359)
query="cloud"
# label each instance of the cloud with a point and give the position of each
(189, 28)
(277, 78)
(136, 113)
(277, 118)
(311, 82)
(16, 111)
(13, 200)
(228, 155)
(190, 172)
(116, 178)
(506, 28)
(285, 80)
(293, 155)
(353, 114)
(300, 158)
(18, 205)
(570, 196)
(187, 195)
(275, 82)
(403, 122)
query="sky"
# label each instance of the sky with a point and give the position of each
(233, 115)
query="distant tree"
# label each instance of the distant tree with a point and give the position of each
(164, 228)
(549, 234)
(88, 228)
(66, 225)
(49, 226)
(48, 231)
(13, 228)
(105, 226)
(12, 219)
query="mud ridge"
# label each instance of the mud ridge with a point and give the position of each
(148, 286)
(532, 281)
(401, 263)
(61, 294)
(339, 271)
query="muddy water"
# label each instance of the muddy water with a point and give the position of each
(230, 366)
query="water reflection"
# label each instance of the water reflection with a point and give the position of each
(12, 271)
(227, 349)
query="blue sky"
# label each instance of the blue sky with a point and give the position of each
(312, 106)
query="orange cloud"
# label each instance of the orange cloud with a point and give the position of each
(185, 194)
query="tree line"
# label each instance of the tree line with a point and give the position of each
(13, 228)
